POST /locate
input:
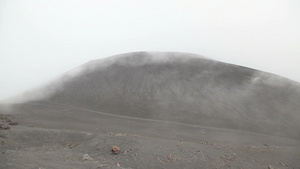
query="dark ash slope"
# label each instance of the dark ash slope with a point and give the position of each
(185, 88)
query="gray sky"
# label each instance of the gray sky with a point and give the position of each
(39, 40)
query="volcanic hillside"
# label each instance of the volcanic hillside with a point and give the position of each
(182, 88)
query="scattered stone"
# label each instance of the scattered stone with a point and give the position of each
(204, 142)
(72, 145)
(1, 142)
(259, 149)
(13, 123)
(170, 158)
(270, 167)
(231, 156)
(116, 149)
(4, 126)
(266, 144)
(118, 165)
(128, 150)
(86, 157)
(283, 164)
(5, 122)
(116, 134)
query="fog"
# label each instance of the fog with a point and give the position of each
(39, 40)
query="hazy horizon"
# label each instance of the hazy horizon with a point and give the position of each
(39, 40)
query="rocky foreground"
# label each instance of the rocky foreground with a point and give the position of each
(69, 138)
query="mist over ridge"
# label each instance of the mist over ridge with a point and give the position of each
(180, 87)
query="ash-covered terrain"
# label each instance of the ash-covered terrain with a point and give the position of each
(162, 109)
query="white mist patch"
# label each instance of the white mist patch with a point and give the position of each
(143, 57)
(48, 89)
(270, 79)
(37, 93)
(135, 59)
